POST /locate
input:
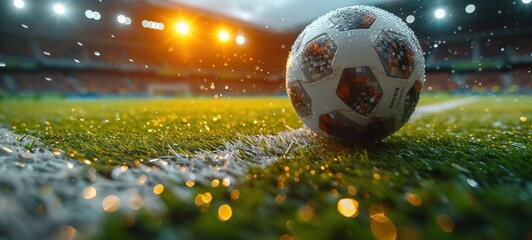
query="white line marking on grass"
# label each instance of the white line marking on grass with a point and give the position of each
(440, 107)
(44, 192)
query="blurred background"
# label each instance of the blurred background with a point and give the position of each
(168, 48)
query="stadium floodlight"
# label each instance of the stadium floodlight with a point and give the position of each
(240, 40)
(526, 1)
(182, 28)
(121, 19)
(18, 3)
(59, 8)
(439, 13)
(223, 36)
(470, 8)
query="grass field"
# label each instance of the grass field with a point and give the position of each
(465, 173)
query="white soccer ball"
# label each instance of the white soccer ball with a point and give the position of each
(355, 74)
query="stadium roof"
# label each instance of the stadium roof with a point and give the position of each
(276, 15)
(285, 16)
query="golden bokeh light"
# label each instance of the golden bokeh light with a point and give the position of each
(190, 183)
(215, 183)
(224, 212)
(375, 210)
(383, 228)
(348, 207)
(413, 199)
(352, 190)
(235, 194)
(158, 189)
(111, 203)
(445, 222)
(89, 193)
(305, 213)
(203, 199)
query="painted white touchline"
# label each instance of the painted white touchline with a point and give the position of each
(440, 107)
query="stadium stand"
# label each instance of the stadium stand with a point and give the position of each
(81, 61)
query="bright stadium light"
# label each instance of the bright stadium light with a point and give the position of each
(439, 13)
(182, 28)
(18, 3)
(470, 8)
(223, 36)
(240, 40)
(121, 19)
(59, 8)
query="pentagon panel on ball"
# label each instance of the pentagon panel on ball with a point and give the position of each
(359, 89)
(300, 99)
(395, 54)
(358, 18)
(355, 74)
(317, 58)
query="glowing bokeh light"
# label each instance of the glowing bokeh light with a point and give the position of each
(439, 13)
(526, 1)
(223, 36)
(413, 199)
(89, 193)
(111, 203)
(445, 222)
(240, 40)
(158, 189)
(182, 28)
(348, 207)
(224, 212)
(18, 3)
(410, 19)
(121, 19)
(136, 202)
(89, 14)
(382, 228)
(59, 8)
(97, 16)
(470, 8)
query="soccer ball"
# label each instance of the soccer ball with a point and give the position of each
(355, 74)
